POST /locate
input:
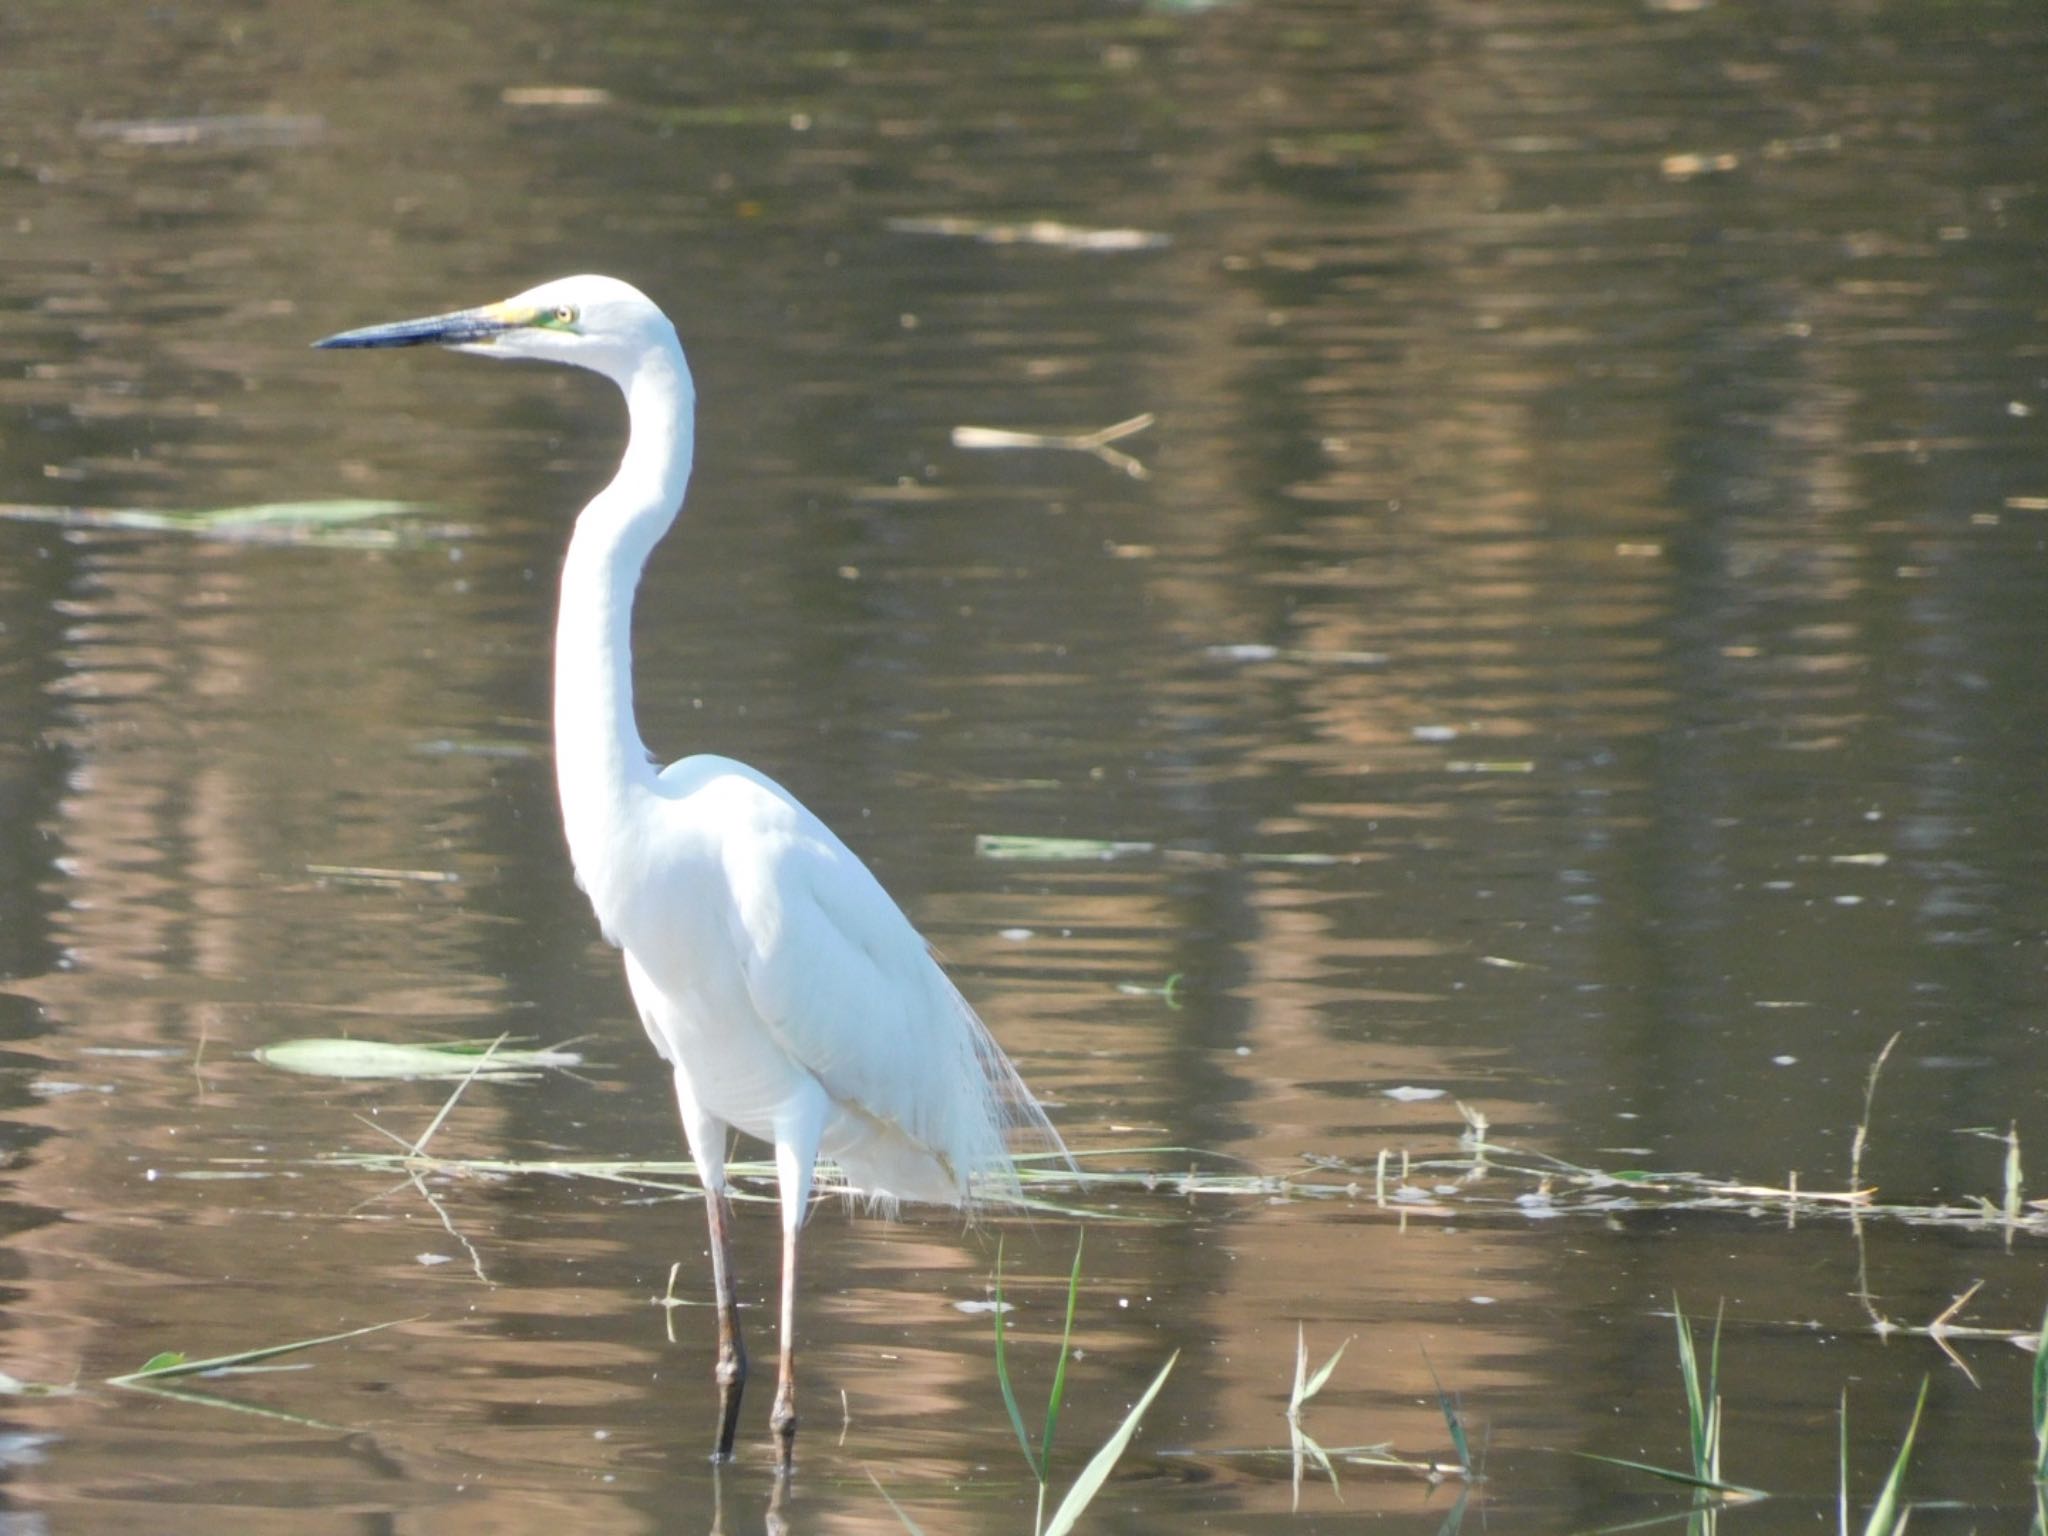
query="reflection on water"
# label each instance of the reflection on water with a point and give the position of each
(1574, 650)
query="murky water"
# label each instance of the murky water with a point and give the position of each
(1577, 650)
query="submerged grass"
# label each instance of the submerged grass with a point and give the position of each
(1483, 1176)
(1304, 1451)
(1089, 1483)
(1494, 1177)
(1703, 1421)
(1301, 1443)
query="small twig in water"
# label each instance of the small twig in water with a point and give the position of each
(419, 1147)
(476, 1260)
(1863, 1126)
(1096, 442)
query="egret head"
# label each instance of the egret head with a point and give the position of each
(593, 322)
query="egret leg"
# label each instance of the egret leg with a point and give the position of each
(706, 1135)
(797, 1129)
(782, 1420)
(731, 1370)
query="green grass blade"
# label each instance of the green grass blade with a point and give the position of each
(1714, 1393)
(2041, 1403)
(909, 1524)
(1059, 1375)
(254, 1410)
(1003, 1369)
(1695, 1405)
(1455, 1520)
(1842, 1477)
(171, 1363)
(1449, 1407)
(1702, 1398)
(1321, 1378)
(1887, 1517)
(1674, 1475)
(1096, 1473)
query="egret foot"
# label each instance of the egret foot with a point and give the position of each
(731, 1375)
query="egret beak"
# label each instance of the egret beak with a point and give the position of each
(463, 328)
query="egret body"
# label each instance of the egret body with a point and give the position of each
(790, 997)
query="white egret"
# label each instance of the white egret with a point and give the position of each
(790, 996)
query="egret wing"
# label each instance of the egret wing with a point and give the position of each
(850, 991)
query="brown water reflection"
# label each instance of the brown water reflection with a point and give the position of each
(1576, 649)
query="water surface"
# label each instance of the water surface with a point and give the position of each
(1576, 650)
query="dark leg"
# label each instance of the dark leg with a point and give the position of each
(731, 1371)
(783, 1419)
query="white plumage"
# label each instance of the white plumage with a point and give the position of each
(790, 996)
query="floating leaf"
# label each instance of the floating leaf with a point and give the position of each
(389, 1059)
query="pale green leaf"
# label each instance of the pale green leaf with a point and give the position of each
(366, 1059)
(1096, 1473)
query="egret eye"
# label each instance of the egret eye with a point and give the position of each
(565, 314)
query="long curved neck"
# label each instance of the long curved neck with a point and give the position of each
(601, 765)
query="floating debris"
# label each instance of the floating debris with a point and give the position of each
(1048, 232)
(369, 874)
(1096, 443)
(1169, 993)
(1256, 652)
(275, 522)
(999, 845)
(449, 746)
(555, 96)
(1687, 167)
(235, 130)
